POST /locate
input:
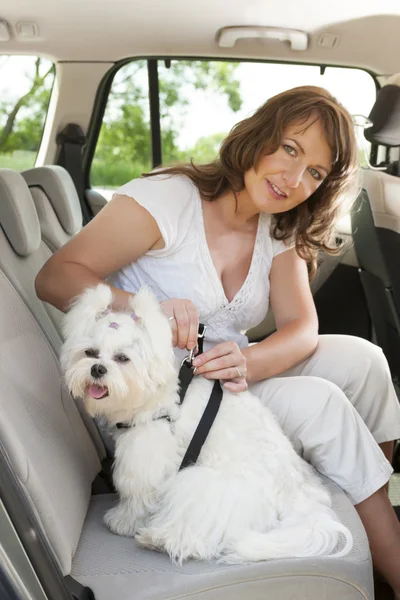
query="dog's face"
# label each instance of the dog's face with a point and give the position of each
(116, 361)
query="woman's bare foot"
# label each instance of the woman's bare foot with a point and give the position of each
(383, 531)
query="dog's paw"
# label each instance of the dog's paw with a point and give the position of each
(120, 522)
(147, 538)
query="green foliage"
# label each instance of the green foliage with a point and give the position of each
(105, 173)
(206, 148)
(124, 146)
(18, 160)
(22, 119)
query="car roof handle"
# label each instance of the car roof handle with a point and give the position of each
(298, 40)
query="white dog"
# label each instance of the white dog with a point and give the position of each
(249, 497)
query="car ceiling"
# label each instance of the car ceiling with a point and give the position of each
(111, 30)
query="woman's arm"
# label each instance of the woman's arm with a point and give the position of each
(121, 233)
(296, 319)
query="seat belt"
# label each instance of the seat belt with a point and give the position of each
(71, 141)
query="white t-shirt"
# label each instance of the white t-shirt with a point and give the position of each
(184, 267)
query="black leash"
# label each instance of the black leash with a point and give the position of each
(203, 428)
(186, 372)
(186, 375)
(129, 425)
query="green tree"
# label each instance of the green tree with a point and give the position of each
(124, 146)
(21, 120)
(206, 148)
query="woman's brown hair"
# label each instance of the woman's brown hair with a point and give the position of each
(310, 224)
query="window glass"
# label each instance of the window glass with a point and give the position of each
(123, 149)
(25, 88)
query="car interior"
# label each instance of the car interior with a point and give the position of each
(94, 94)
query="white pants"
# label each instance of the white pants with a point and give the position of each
(336, 407)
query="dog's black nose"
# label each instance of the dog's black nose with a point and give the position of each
(98, 371)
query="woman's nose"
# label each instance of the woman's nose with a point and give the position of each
(293, 176)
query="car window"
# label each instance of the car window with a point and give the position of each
(123, 149)
(200, 101)
(25, 88)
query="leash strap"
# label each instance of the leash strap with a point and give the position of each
(129, 425)
(203, 428)
(186, 374)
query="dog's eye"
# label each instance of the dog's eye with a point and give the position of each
(122, 358)
(92, 353)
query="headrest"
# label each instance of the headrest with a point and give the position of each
(18, 216)
(385, 116)
(60, 190)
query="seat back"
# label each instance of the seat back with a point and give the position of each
(22, 252)
(22, 255)
(57, 204)
(376, 230)
(41, 430)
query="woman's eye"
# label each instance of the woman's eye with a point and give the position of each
(316, 174)
(122, 358)
(92, 353)
(290, 150)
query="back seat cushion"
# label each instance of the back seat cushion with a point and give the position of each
(17, 213)
(383, 193)
(18, 223)
(21, 271)
(22, 253)
(57, 203)
(107, 563)
(41, 428)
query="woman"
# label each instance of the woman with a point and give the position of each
(219, 241)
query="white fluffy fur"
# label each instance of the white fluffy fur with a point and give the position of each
(250, 497)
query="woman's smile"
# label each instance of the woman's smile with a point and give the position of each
(275, 191)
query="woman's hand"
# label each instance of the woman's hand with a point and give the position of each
(224, 361)
(184, 321)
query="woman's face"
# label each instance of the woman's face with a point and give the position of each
(290, 175)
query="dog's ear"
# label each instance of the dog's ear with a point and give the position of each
(150, 317)
(153, 321)
(87, 309)
(144, 303)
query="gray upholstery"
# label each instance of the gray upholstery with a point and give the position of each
(376, 230)
(41, 428)
(95, 200)
(114, 566)
(21, 269)
(56, 202)
(18, 214)
(22, 253)
(384, 197)
(376, 234)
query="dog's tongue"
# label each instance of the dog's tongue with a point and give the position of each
(97, 391)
